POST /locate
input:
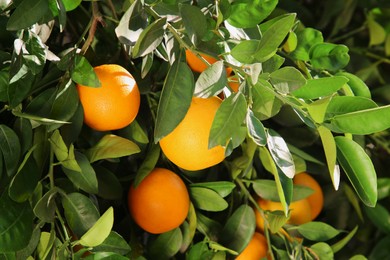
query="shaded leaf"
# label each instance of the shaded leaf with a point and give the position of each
(22, 17)
(10, 149)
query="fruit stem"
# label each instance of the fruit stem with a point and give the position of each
(96, 18)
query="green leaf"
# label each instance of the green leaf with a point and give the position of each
(194, 21)
(26, 179)
(148, 164)
(381, 249)
(80, 212)
(166, 245)
(377, 32)
(287, 79)
(323, 251)
(307, 38)
(265, 104)
(383, 187)
(23, 129)
(22, 17)
(273, 37)
(321, 87)
(317, 231)
(256, 129)
(329, 56)
(229, 117)
(149, 38)
(359, 169)
(16, 224)
(362, 122)
(207, 199)
(63, 155)
(280, 153)
(343, 242)
(243, 52)
(339, 105)
(10, 149)
(238, 229)
(276, 220)
(108, 184)
(267, 189)
(46, 206)
(82, 72)
(248, 13)
(357, 85)
(175, 99)
(380, 217)
(207, 226)
(211, 81)
(114, 243)
(96, 235)
(111, 146)
(223, 188)
(86, 179)
(329, 145)
(132, 24)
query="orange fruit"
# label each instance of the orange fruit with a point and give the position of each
(187, 145)
(316, 199)
(300, 211)
(115, 104)
(198, 65)
(256, 249)
(160, 203)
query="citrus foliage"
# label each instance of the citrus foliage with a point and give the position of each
(296, 94)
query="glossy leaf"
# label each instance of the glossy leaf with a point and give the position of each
(211, 81)
(26, 179)
(194, 22)
(132, 23)
(114, 243)
(317, 231)
(329, 56)
(359, 169)
(265, 104)
(16, 224)
(80, 212)
(149, 38)
(280, 153)
(329, 145)
(321, 87)
(256, 129)
(22, 17)
(380, 217)
(322, 251)
(175, 99)
(239, 228)
(86, 179)
(267, 189)
(341, 243)
(246, 13)
(82, 72)
(207, 226)
(111, 146)
(377, 32)
(10, 149)
(347, 104)
(362, 122)
(223, 188)
(357, 85)
(307, 38)
(167, 244)
(287, 79)
(96, 235)
(229, 117)
(46, 206)
(207, 199)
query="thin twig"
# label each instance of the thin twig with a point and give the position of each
(96, 18)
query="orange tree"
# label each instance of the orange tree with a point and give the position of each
(312, 98)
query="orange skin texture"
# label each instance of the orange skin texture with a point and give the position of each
(198, 65)
(256, 249)
(316, 199)
(300, 211)
(187, 145)
(115, 104)
(160, 203)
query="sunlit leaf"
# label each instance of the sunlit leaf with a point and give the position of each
(96, 235)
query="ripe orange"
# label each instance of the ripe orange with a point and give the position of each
(160, 202)
(256, 249)
(187, 145)
(198, 65)
(115, 104)
(300, 211)
(316, 199)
